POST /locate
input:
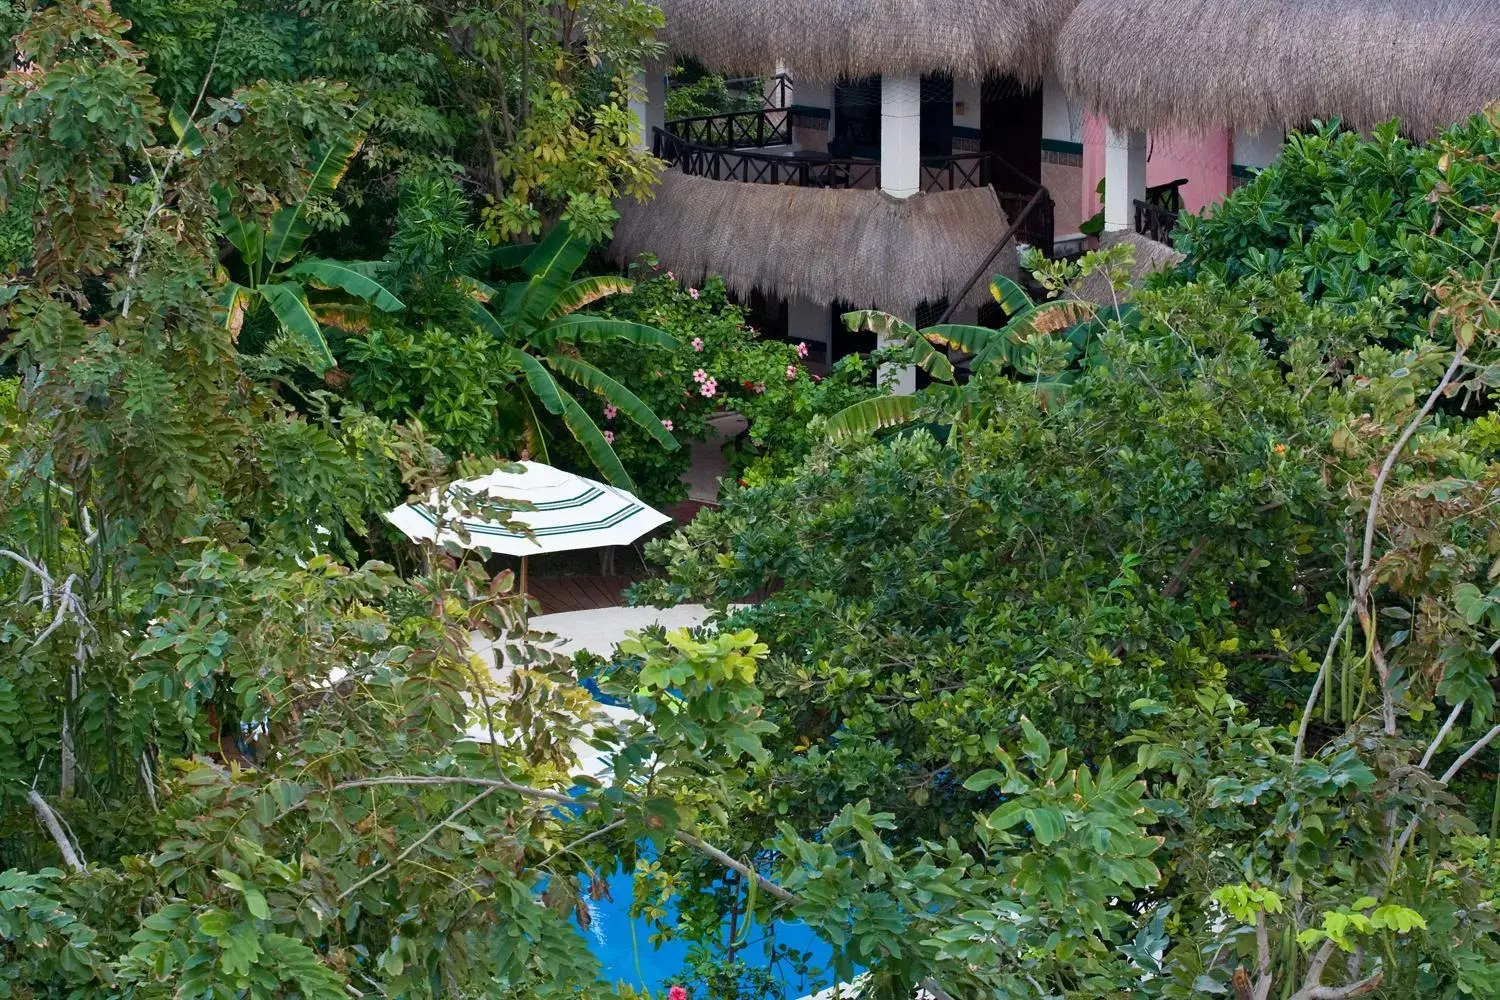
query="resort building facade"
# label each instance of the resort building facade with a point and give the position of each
(903, 152)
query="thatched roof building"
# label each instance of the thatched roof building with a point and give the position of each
(865, 248)
(1207, 64)
(830, 39)
(1150, 257)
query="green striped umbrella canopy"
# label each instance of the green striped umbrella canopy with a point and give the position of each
(571, 512)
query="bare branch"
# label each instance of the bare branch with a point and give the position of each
(1437, 741)
(70, 855)
(714, 854)
(1312, 698)
(411, 848)
(575, 845)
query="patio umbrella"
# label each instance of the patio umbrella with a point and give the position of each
(571, 512)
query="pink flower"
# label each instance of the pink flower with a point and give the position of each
(760, 387)
(694, 293)
(666, 425)
(802, 349)
(609, 437)
(791, 373)
(677, 993)
(698, 343)
(700, 376)
(671, 276)
(610, 411)
(709, 388)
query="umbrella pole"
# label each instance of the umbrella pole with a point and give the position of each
(523, 575)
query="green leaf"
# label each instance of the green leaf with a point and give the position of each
(981, 780)
(1047, 823)
(870, 415)
(189, 138)
(1034, 744)
(330, 274)
(969, 339)
(586, 291)
(255, 902)
(287, 302)
(587, 434)
(598, 330)
(622, 398)
(539, 380)
(1011, 296)
(244, 237)
(551, 266)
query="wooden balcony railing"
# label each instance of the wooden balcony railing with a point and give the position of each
(735, 129)
(1156, 216)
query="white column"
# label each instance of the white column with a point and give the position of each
(648, 103)
(898, 380)
(901, 135)
(1124, 178)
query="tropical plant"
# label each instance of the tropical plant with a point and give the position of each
(271, 277)
(1039, 342)
(537, 330)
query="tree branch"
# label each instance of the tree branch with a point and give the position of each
(411, 848)
(1437, 741)
(49, 819)
(714, 854)
(1312, 698)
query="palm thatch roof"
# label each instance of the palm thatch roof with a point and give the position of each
(830, 39)
(1205, 64)
(1150, 257)
(865, 248)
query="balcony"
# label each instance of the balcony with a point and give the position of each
(759, 147)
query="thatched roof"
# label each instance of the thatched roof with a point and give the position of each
(1204, 64)
(1150, 257)
(865, 248)
(829, 39)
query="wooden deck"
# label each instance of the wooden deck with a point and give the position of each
(579, 593)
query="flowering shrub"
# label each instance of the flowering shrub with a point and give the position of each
(723, 365)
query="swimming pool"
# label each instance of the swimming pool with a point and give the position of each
(625, 951)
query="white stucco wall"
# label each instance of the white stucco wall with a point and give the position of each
(1257, 149)
(812, 93)
(1061, 120)
(966, 93)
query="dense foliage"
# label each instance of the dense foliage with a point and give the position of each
(1155, 660)
(1252, 484)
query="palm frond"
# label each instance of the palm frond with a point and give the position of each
(587, 434)
(331, 274)
(1011, 296)
(586, 291)
(620, 397)
(539, 380)
(296, 318)
(598, 330)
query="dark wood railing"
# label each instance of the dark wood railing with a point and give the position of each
(1156, 216)
(735, 129)
(750, 166)
(1154, 222)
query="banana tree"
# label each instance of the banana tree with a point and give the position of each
(537, 330)
(270, 275)
(1024, 345)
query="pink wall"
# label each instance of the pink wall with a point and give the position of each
(1204, 160)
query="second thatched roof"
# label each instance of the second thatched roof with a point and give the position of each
(1208, 64)
(832, 39)
(864, 248)
(1150, 257)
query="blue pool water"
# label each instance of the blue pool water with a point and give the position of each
(624, 948)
